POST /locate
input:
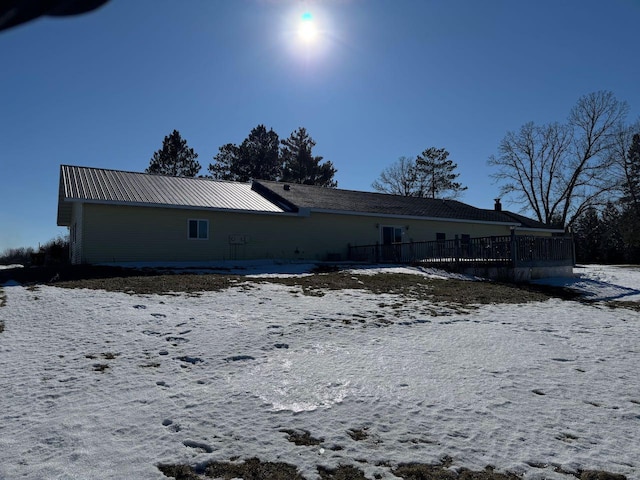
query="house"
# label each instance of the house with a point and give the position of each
(118, 216)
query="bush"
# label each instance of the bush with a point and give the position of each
(13, 256)
(54, 252)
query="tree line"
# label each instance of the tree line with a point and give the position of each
(582, 174)
(578, 174)
(261, 156)
(612, 234)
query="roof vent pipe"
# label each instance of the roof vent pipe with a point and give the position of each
(498, 206)
(286, 186)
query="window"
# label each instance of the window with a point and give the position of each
(391, 235)
(198, 229)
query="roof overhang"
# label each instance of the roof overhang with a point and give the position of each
(413, 217)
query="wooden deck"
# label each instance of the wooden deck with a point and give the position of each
(512, 251)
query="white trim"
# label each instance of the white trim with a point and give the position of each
(176, 207)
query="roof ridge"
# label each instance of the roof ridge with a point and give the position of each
(304, 185)
(152, 174)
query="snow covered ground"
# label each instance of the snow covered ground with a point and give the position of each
(107, 385)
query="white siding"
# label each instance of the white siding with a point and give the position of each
(128, 234)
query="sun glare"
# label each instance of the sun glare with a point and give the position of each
(308, 35)
(307, 31)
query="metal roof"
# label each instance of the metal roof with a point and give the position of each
(97, 185)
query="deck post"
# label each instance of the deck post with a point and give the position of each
(514, 248)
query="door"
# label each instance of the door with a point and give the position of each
(391, 240)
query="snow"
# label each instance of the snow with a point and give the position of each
(602, 282)
(8, 267)
(108, 385)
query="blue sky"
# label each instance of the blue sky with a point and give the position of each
(383, 79)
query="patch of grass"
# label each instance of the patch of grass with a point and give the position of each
(599, 475)
(301, 437)
(358, 434)
(421, 471)
(157, 284)
(624, 304)
(343, 472)
(255, 469)
(252, 469)
(450, 292)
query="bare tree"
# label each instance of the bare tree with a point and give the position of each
(559, 170)
(400, 178)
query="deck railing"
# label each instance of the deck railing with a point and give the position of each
(506, 250)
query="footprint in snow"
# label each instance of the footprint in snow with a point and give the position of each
(202, 447)
(152, 333)
(191, 360)
(239, 358)
(171, 426)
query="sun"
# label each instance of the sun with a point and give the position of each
(307, 30)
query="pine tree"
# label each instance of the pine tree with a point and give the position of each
(257, 157)
(632, 169)
(299, 164)
(437, 175)
(587, 236)
(175, 158)
(611, 241)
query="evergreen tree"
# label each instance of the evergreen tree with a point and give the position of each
(257, 157)
(175, 158)
(630, 201)
(632, 170)
(299, 164)
(587, 237)
(611, 242)
(225, 161)
(436, 174)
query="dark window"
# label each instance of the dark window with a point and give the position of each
(198, 229)
(391, 235)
